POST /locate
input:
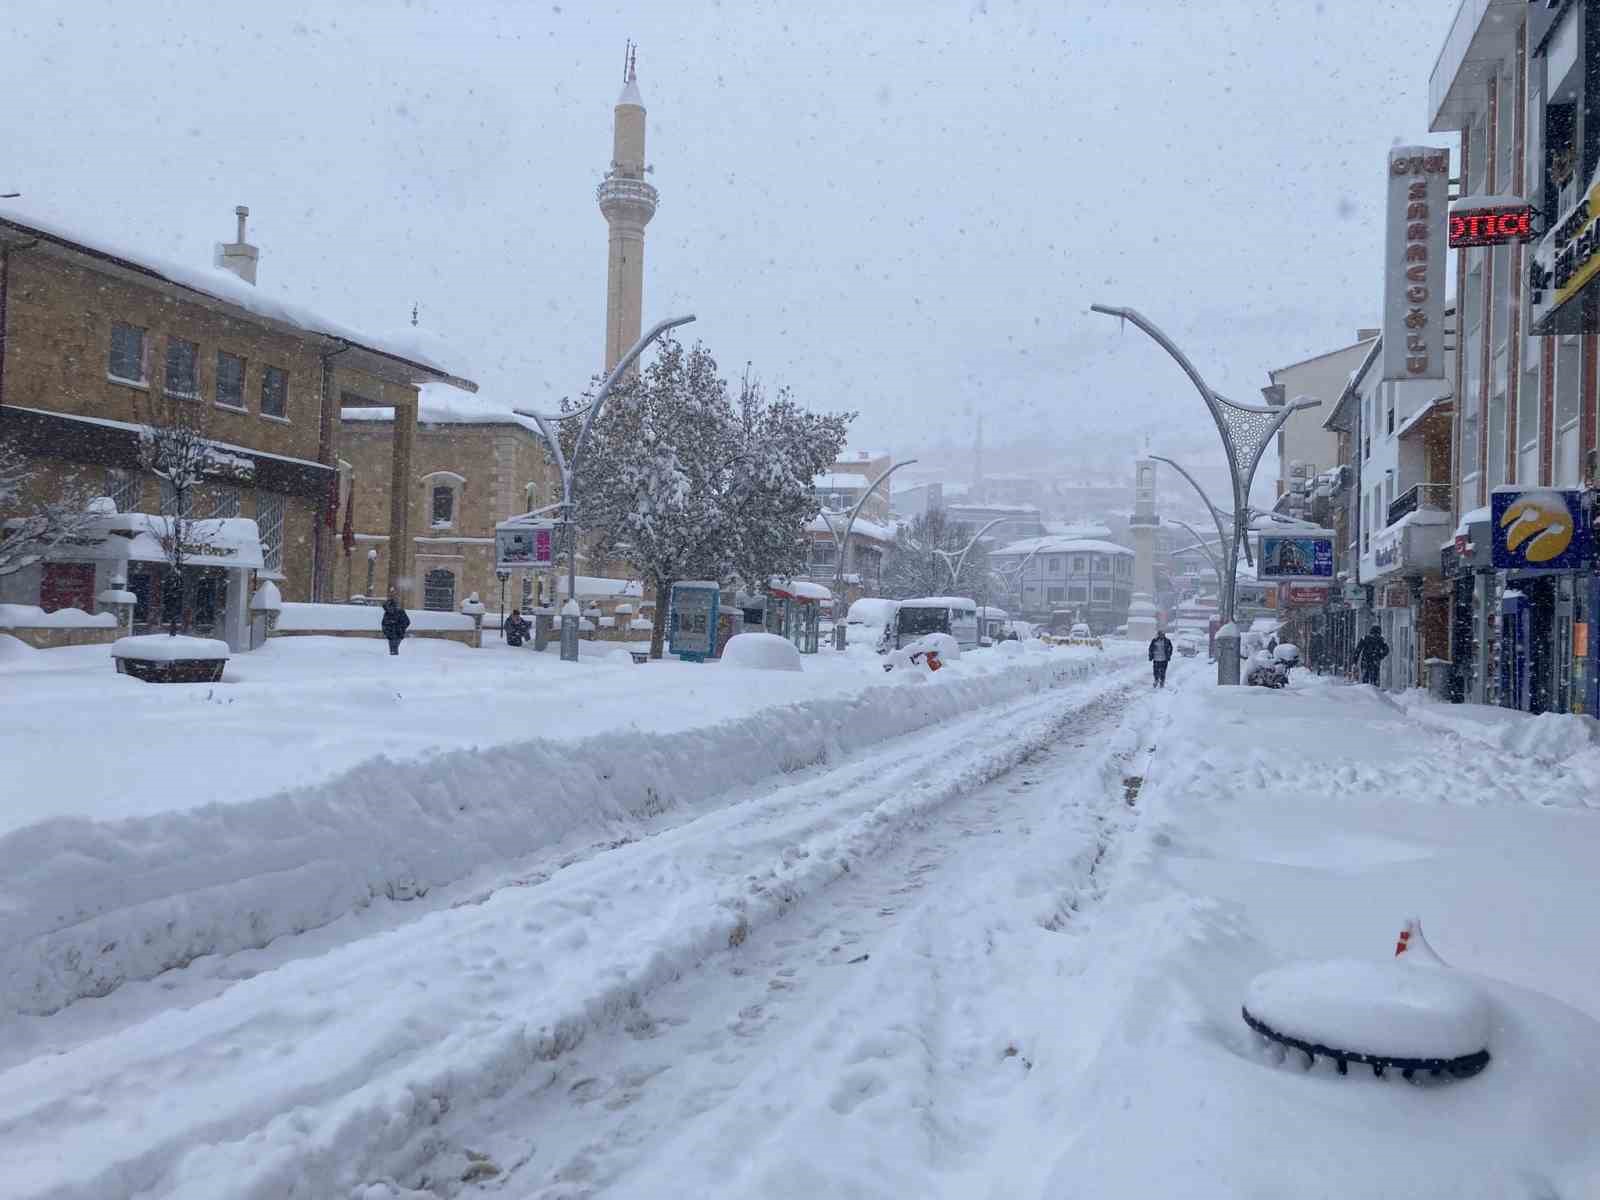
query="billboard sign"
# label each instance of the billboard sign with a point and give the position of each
(1413, 263)
(524, 545)
(1538, 529)
(1564, 263)
(1492, 225)
(1305, 595)
(692, 621)
(1289, 557)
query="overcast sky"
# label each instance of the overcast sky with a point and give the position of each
(899, 207)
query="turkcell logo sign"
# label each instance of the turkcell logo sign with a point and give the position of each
(1538, 529)
(1299, 557)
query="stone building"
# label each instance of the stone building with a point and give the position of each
(95, 343)
(472, 467)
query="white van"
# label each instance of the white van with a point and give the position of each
(869, 618)
(955, 615)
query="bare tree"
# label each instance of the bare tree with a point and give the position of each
(173, 446)
(31, 527)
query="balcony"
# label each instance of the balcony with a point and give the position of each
(1429, 497)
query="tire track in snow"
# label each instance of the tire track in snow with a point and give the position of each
(702, 1051)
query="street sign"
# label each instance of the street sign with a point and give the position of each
(1490, 226)
(521, 545)
(692, 621)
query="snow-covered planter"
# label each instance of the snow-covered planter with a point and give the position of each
(761, 652)
(162, 658)
(473, 607)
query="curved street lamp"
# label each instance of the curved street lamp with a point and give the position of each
(841, 541)
(547, 426)
(1246, 431)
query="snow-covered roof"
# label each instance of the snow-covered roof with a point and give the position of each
(408, 346)
(219, 450)
(799, 588)
(940, 602)
(867, 529)
(1478, 516)
(231, 542)
(593, 585)
(990, 613)
(1058, 545)
(839, 480)
(441, 404)
(630, 93)
(1478, 203)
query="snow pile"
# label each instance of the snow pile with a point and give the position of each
(267, 598)
(161, 647)
(312, 618)
(1396, 1008)
(761, 652)
(31, 616)
(90, 904)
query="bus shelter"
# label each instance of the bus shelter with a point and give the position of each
(794, 611)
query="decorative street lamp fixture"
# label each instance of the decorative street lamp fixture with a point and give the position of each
(1246, 431)
(570, 615)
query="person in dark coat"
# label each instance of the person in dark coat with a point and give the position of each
(516, 629)
(1160, 656)
(395, 623)
(1370, 652)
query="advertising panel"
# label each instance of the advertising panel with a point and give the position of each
(523, 545)
(1306, 595)
(1286, 557)
(1538, 529)
(1413, 263)
(692, 621)
(1489, 224)
(1564, 264)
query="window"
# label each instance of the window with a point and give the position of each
(1055, 564)
(1472, 371)
(66, 585)
(270, 508)
(439, 590)
(1102, 593)
(127, 354)
(1568, 403)
(1080, 564)
(126, 489)
(1388, 406)
(275, 393)
(1056, 595)
(230, 380)
(1079, 594)
(1102, 564)
(224, 500)
(822, 553)
(169, 501)
(444, 506)
(182, 375)
(1496, 466)
(1528, 406)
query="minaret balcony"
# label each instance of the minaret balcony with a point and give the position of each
(620, 196)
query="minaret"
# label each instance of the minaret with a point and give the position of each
(628, 203)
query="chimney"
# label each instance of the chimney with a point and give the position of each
(238, 256)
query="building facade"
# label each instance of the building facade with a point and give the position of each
(470, 469)
(1086, 580)
(96, 345)
(1520, 85)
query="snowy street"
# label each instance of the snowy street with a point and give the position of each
(985, 958)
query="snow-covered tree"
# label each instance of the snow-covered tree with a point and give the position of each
(681, 483)
(918, 562)
(174, 447)
(31, 525)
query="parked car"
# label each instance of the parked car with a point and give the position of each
(955, 615)
(1187, 644)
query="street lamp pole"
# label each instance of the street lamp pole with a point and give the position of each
(961, 561)
(547, 426)
(840, 542)
(1246, 431)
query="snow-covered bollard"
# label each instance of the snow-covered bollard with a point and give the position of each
(164, 658)
(118, 601)
(473, 607)
(1411, 1014)
(265, 607)
(761, 652)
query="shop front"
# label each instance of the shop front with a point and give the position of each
(1542, 544)
(208, 596)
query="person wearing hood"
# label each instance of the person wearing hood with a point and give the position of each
(1370, 653)
(395, 623)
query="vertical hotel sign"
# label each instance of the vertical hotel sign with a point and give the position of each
(1413, 276)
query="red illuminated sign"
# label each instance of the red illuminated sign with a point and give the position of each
(1491, 226)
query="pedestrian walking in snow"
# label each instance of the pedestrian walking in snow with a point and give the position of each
(1370, 653)
(395, 623)
(1160, 656)
(516, 629)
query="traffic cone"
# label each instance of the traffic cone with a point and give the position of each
(1411, 942)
